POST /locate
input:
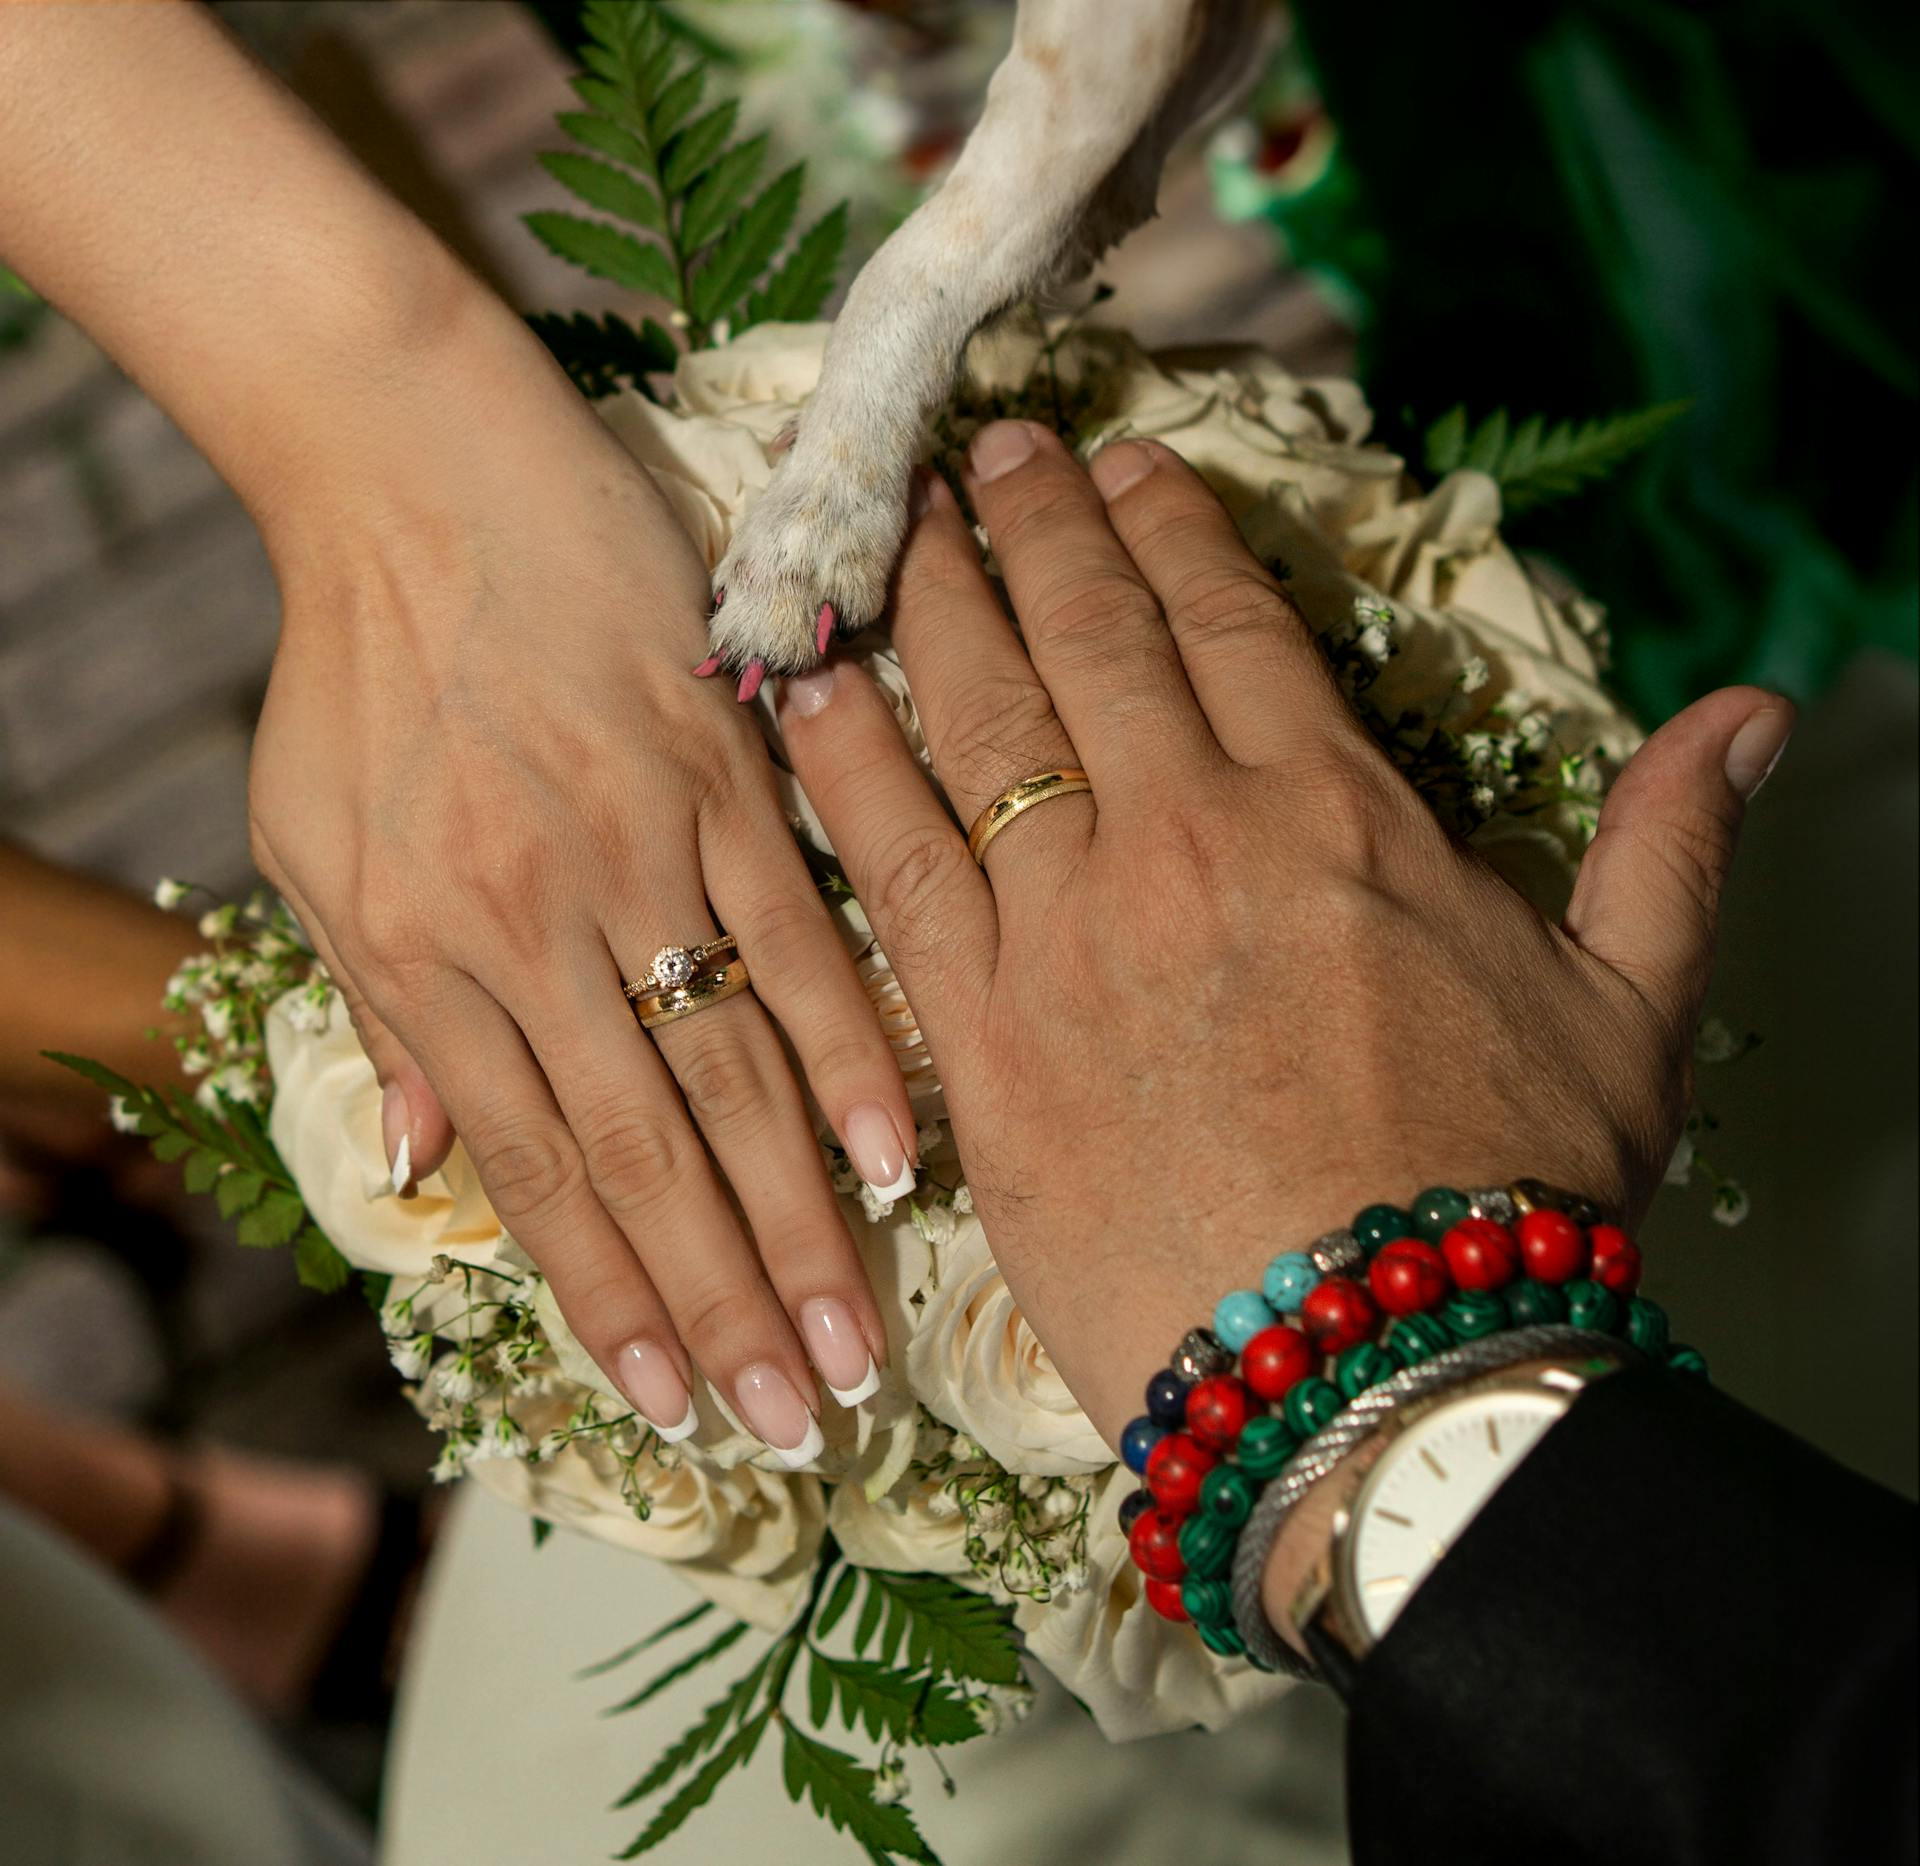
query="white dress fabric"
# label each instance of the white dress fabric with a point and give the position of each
(118, 1748)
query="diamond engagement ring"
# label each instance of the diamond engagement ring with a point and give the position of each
(676, 967)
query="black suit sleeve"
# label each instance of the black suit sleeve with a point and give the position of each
(1677, 1634)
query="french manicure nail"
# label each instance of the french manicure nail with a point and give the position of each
(878, 1154)
(1756, 749)
(999, 448)
(399, 1141)
(1123, 464)
(805, 694)
(647, 1376)
(778, 1416)
(839, 1350)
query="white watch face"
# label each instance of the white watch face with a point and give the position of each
(1428, 1486)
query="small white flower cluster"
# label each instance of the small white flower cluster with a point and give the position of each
(259, 955)
(1026, 1536)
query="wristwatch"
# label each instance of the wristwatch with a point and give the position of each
(1404, 1494)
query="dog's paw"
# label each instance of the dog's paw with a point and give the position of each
(808, 562)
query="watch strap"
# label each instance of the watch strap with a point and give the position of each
(1322, 1454)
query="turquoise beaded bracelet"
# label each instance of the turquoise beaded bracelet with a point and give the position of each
(1281, 1362)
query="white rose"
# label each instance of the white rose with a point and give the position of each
(326, 1124)
(1139, 1674)
(907, 1532)
(744, 1537)
(974, 1363)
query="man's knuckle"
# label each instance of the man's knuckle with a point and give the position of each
(1001, 726)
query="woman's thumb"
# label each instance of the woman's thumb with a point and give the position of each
(1647, 901)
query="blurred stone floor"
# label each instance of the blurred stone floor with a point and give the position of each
(137, 621)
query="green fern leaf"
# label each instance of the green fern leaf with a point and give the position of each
(612, 190)
(715, 201)
(599, 354)
(676, 103)
(238, 1192)
(610, 101)
(202, 1170)
(687, 157)
(607, 253)
(1533, 463)
(838, 1601)
(721, 1641)
(98, 1074)
(1569, 457)
(274, 1221)
(947, 1630)
(735, 1754)
(892, 1705)
(605, 138)
(678, 1624)
(1488, 445)
(691, 1745)
(746, 248)
(798, 290)
(842, 1791)
(318, 1265)
(1446, 443)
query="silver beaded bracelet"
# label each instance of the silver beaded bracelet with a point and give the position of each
(1330, 1447)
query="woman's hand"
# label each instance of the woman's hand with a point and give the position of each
(1249, 985)
(486, 783)
(483, 778)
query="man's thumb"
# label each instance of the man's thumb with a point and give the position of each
(1647, 902)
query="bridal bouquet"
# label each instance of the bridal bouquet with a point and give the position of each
(964, 1519)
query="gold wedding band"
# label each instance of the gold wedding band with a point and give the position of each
(1017, 798)
(665, 1007)
(676, 966)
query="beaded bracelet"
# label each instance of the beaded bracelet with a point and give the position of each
(1453, 1268)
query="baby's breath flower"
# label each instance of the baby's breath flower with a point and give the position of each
(1715, 1042)
(1474, 674)
(872, 1204)
(963, 1199)
(1730, 1203)
(890, 1782)
(410, 1354)
(169, 894)
(453, 1377)
(217, 922)
(1680, 1167)
(124, 1120)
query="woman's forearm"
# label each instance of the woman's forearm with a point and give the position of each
(188, 212)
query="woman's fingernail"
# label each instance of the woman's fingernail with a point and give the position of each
(778, 1416)
(999, 448)
(839, 1350)
(806, 694)
(646, 1374)
(878, 1153)
(1756, 749)
(1119, 466)
(394, 1133)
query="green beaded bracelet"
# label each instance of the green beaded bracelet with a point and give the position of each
(1227, 1495)
(1265, 1446)
(1473, 1314)
(1206, 1546)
